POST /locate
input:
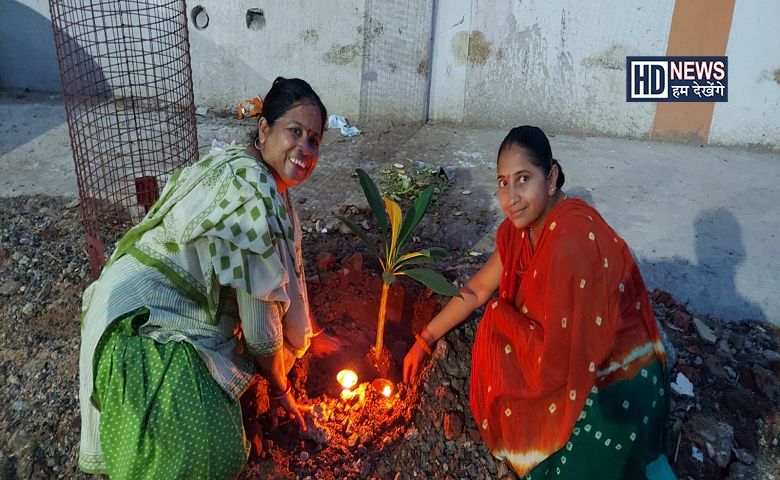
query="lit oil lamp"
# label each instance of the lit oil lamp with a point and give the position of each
(383, 386)
(347, 379)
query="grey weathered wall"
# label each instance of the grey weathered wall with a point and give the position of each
(559, 64)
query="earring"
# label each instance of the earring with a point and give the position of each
(258, 147)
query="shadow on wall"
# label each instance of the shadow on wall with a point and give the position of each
(27, 56)
(28, 59)
(709, 285)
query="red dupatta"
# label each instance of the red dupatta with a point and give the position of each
(571, 315)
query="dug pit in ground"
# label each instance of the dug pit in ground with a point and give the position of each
(347, 428)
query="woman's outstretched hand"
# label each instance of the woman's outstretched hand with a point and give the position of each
(413, 361)
(290, 405)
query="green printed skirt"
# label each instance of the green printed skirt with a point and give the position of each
(620, 433)
(162, 415)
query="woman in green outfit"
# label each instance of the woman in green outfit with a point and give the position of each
(162, 362)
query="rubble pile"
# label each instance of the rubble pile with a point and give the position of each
(725, 422)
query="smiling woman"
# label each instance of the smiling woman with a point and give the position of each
(288, 140)
(204, 292)
(568, 376)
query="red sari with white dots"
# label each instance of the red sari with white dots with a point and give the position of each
(572, 314)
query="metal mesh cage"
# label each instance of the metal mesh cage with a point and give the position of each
(127, 89)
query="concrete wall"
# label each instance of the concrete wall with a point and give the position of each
(27, 55)
(559, 64)
(322, 43)
(368, 59)
(395, 80)
(752, 114)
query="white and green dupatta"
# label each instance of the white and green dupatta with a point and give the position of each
(218, 223)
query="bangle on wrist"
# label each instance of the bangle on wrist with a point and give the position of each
(281, 395)
(423, 344)
(427, 336)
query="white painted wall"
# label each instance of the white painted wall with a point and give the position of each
(319, 42)
(752, 114)
(449, 66)
(396, 62)
(560, 64)
(27, 54)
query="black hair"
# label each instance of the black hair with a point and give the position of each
(285, 94)
(536, 145)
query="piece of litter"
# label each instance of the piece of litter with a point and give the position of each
(458, 213)
(743, 456)
(249, 108)
(365, 225)
(324, 230)
(338, 121)
(349, 131)
(466, 192)
(221, 143)
(201, 110)
(399, 166)
(696, 453)
(704, 331)
(475, 254)
(682, 386)
(448, 172)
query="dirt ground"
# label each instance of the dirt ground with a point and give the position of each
(729, 428)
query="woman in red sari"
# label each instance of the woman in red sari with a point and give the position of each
(569, 376)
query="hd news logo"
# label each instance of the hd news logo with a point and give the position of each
(677, 79)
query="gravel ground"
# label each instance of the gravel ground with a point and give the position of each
(728, 428)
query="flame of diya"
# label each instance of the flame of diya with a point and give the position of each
(383, 386)
(347, 378)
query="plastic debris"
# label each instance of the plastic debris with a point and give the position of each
(338, 121)
(704, 331)
(201, 110)
(448, 172)
(250, 108)
(218, 143)
(697, 454)
(682, 386)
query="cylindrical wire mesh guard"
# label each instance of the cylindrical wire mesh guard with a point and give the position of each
(127, 88)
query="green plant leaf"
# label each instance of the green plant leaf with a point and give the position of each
(415, 214)
(363, 237)
(374, 199)
(432, 280)
(388, 277)
(421, 258)
(411, 258)
(436, 253)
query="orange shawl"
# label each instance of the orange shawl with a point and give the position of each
(572, 315)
